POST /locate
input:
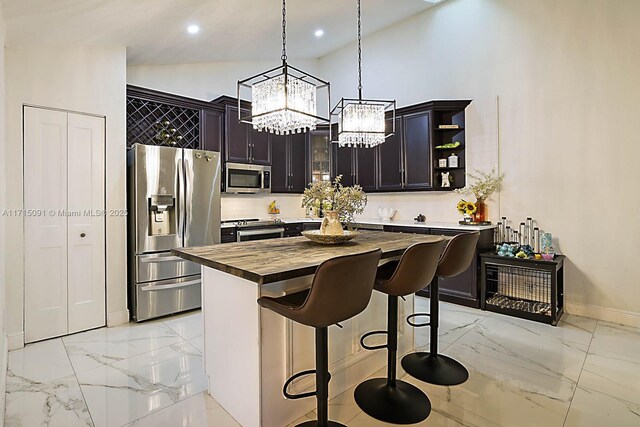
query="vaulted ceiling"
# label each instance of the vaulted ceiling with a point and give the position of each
(154, 31)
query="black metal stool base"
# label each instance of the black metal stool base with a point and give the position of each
(438, 369)
(314, 423)
(402, 404)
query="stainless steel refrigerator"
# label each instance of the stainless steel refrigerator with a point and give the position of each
(173, 201)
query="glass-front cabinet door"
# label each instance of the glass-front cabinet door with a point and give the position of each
(319, 152)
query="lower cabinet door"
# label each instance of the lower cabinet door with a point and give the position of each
(164, 297)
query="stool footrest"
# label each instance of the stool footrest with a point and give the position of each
(295, 377)
(418, 325)
(372, 347)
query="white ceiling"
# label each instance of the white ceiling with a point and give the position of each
(154, 31)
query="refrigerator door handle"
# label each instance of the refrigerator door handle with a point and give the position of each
(180, 199)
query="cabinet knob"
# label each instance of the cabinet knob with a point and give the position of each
(82, 234)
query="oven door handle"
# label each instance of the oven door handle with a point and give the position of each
(260, 231)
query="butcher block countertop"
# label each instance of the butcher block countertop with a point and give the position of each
(273, 260)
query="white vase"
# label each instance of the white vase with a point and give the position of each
(331, 224)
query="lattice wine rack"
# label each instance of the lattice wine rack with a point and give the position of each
(155, 123)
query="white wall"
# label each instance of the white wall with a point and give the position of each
(566, 74)
(205, 81)
(90, 80)
(3, 300)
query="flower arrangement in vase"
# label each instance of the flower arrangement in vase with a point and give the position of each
(466, 209)
(338, 203)
(486, 183)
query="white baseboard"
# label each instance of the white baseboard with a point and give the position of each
(15, 340)
(4, 356)
(117, 318)
(622, 317)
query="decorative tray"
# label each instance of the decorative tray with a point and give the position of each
(329, 239)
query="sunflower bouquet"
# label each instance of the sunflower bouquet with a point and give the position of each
(466, 208)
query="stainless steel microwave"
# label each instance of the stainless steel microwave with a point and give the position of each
(242, 178)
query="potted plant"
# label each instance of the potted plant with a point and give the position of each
(336, 202)
(484, 186)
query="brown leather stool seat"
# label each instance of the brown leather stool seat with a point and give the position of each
(432, 367)
(389, 399)
(340, 290)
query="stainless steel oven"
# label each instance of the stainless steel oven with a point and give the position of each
(241, 178)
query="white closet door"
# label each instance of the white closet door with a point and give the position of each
(45, 192)
(86, 230)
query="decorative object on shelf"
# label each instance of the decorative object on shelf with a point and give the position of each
(316, 236)
(546, 243)
(420, 218)
(448, 127)
(166, 134)
(338, 203)
(484, 186)
(386, 214)
(526, 243)
(453, 160)
(442, 163)
(273, 208)
(454, 144)
(361, 122)
(446, 179)
(283, 99)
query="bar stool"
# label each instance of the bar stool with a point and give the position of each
(341, 289)
(432, 367)
(389, 399)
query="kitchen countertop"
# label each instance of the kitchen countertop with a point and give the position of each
(404, 223)
(397, 223)
(273, 260)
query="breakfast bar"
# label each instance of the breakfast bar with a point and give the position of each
(250, 352)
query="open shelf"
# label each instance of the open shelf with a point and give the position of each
(448, 168)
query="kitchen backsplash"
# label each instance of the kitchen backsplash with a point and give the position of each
(436, 206)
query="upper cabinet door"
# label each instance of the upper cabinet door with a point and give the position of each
(45, 236)
(298, 162)
(366, 168)
(390, 155)
(86, 233)
(417, 151)
(279, 167)
(260, 147)
(236, 137)
(211, 130)
(343, 164)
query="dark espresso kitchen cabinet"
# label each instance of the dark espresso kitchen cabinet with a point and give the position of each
(417, 151)
(289, 163)
(211, 130)
(344, 164)
(465, 287)
(391, 159)
(356, 165)
(243, 144)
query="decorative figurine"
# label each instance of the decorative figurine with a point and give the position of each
(446, 180)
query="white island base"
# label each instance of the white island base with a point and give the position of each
(250, 352)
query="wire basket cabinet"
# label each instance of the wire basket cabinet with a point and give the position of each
(529, 289)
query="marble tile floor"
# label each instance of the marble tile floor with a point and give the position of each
(581, 373)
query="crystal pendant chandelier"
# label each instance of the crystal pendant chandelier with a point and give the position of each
(284, 99)
(361, 122)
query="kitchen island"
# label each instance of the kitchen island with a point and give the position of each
(249, 352)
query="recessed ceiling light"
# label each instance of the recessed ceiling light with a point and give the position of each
(319, 32)
(193, 29)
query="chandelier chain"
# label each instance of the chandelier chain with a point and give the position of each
(359, 53)
(284, 30)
